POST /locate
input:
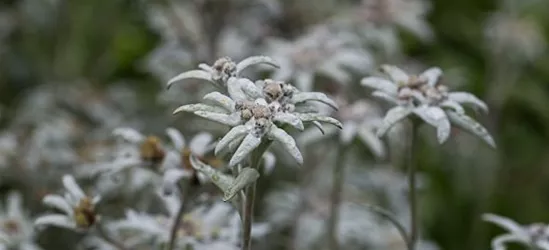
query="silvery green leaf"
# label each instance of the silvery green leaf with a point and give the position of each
(233, 134)
(395, 73)
(449, 104)
(313, 96)
(380, 84)
(176, 137)
(431, 75)
(249, 143)
(198, 107)
(287, 141)
(221, 180)
(128, 134)
(309, 117)
(348, 132)
(246, 177)
(436, 117)
(220, 100)
(386, 97)
(206, 67)
(371, 141)
(290, 119)
(250, 89)
(192, 74)
(470, 125)
(467, 98)
(318, 125)
(418, 96)
(392, 117)
(252, 60)
(234, 88)
(227, 119)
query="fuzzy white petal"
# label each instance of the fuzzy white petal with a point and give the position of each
(392, 117)
(395, 73)
(56, 201)
(470, 125)
(220, 100)
(380, 84)
(249, 143)
(199, 143)
(232, 135)
(432, 75)
(253, 60)
(467, 98)
(192, 74)
(55, 220)
(287, 142)
(313, 96)
(436, 117)
(72, 187)
(176, 137)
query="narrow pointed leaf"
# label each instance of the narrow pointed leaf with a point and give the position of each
(193, 74)
(313, 96)
(198, 107)
(318, 125)
(234, 88)
(220, 100)
(290, 119)
(386, 97)
(396, 74)
(436, 117)
(230, 120)
(233, 134)
(309, 117)
(287, 142)
(221, 180)
(380, 84)
(470, 125)
(249, 143)
(455, 106)
(246, 177)
(432, 75)
(253, 60)
(392, 117)
(467, 98)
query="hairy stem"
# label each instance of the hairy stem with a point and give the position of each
(337, 192)
(411, 162)
(104, 234)
(186, 192)
(255, 162)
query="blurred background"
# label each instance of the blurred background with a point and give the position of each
(72, 71)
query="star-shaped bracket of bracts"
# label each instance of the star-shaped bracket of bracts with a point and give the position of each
(222, 70)
(258, 110)
(427, 98)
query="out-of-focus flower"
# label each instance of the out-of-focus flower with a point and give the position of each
(360, 120)
(8, 148)
(16, 230)
(222, 69)
(407, 14)
(321, 52)
(505, 32)
(78, 209)
(429, 100)
(205, 227)
(533, 236)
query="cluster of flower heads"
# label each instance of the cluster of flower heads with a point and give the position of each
(426, 97)
(255, 110)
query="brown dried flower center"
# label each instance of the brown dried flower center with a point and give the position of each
(151, 150)
(11, 227)
(84, 213)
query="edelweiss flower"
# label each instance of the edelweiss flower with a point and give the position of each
(78, 208)
(16, 231)
(428, 99)
(319, 52)
(256, 110)
(205, 227)
(222, 70)
(535, 236)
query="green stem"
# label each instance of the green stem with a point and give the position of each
(411, 162)
(255, 161)
(337, 192)
(185, 192)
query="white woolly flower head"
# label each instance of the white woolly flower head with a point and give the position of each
(78, 209)
(16, 229)
(425, 97)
